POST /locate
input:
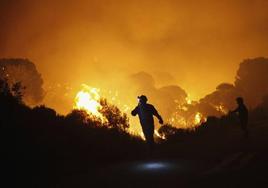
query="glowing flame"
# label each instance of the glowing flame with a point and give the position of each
(142, 136)
(178, 119)
(197, 118)
(188, 100)
(158, 135)
(88, 99)
(221, 108)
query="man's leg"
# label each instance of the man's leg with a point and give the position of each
(149, 136)
(151, 141)
(244, 127)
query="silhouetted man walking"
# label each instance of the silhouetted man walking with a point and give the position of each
(146, 112)
(242, 114)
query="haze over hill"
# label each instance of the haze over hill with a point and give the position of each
(172, 101)
(194, 44)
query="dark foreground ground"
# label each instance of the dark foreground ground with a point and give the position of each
(212, 160)
(237, 169)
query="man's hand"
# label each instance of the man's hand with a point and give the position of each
(161, 121)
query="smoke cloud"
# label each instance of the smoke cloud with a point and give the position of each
(192, 44)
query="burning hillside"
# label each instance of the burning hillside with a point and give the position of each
(172, 101)
(89, 99)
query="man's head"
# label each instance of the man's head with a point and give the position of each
(142, 99)
(239, 100)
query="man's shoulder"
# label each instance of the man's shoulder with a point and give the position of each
(150, 106)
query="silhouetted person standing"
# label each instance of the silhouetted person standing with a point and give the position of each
(146, 112)
(242, 114)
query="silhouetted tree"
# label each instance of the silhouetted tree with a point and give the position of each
(168, 98)
(25, 72)
(167, 130)
(220, 101)
(18, 91)
(252, 80)
(78, 117)
(11, 104)
(15, 91)
(143, 81)
(44, 112)
(4, 87)
(115, 118)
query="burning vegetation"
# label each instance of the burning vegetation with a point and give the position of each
(90, 100)
(172, 101)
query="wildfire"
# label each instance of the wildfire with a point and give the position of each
(197, 118)
(185, 122)
(142, 135)
(156, 133)
(188, 100)
(178, 119)
(88, 99)
(221, 109)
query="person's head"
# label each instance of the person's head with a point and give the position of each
(239, 100)
(142, 99)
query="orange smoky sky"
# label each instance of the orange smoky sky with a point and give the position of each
(194, 44)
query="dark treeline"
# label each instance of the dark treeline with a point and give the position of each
(250, 82)
(38, 145)
(41, 148)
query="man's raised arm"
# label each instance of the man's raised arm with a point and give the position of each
(134, 112)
